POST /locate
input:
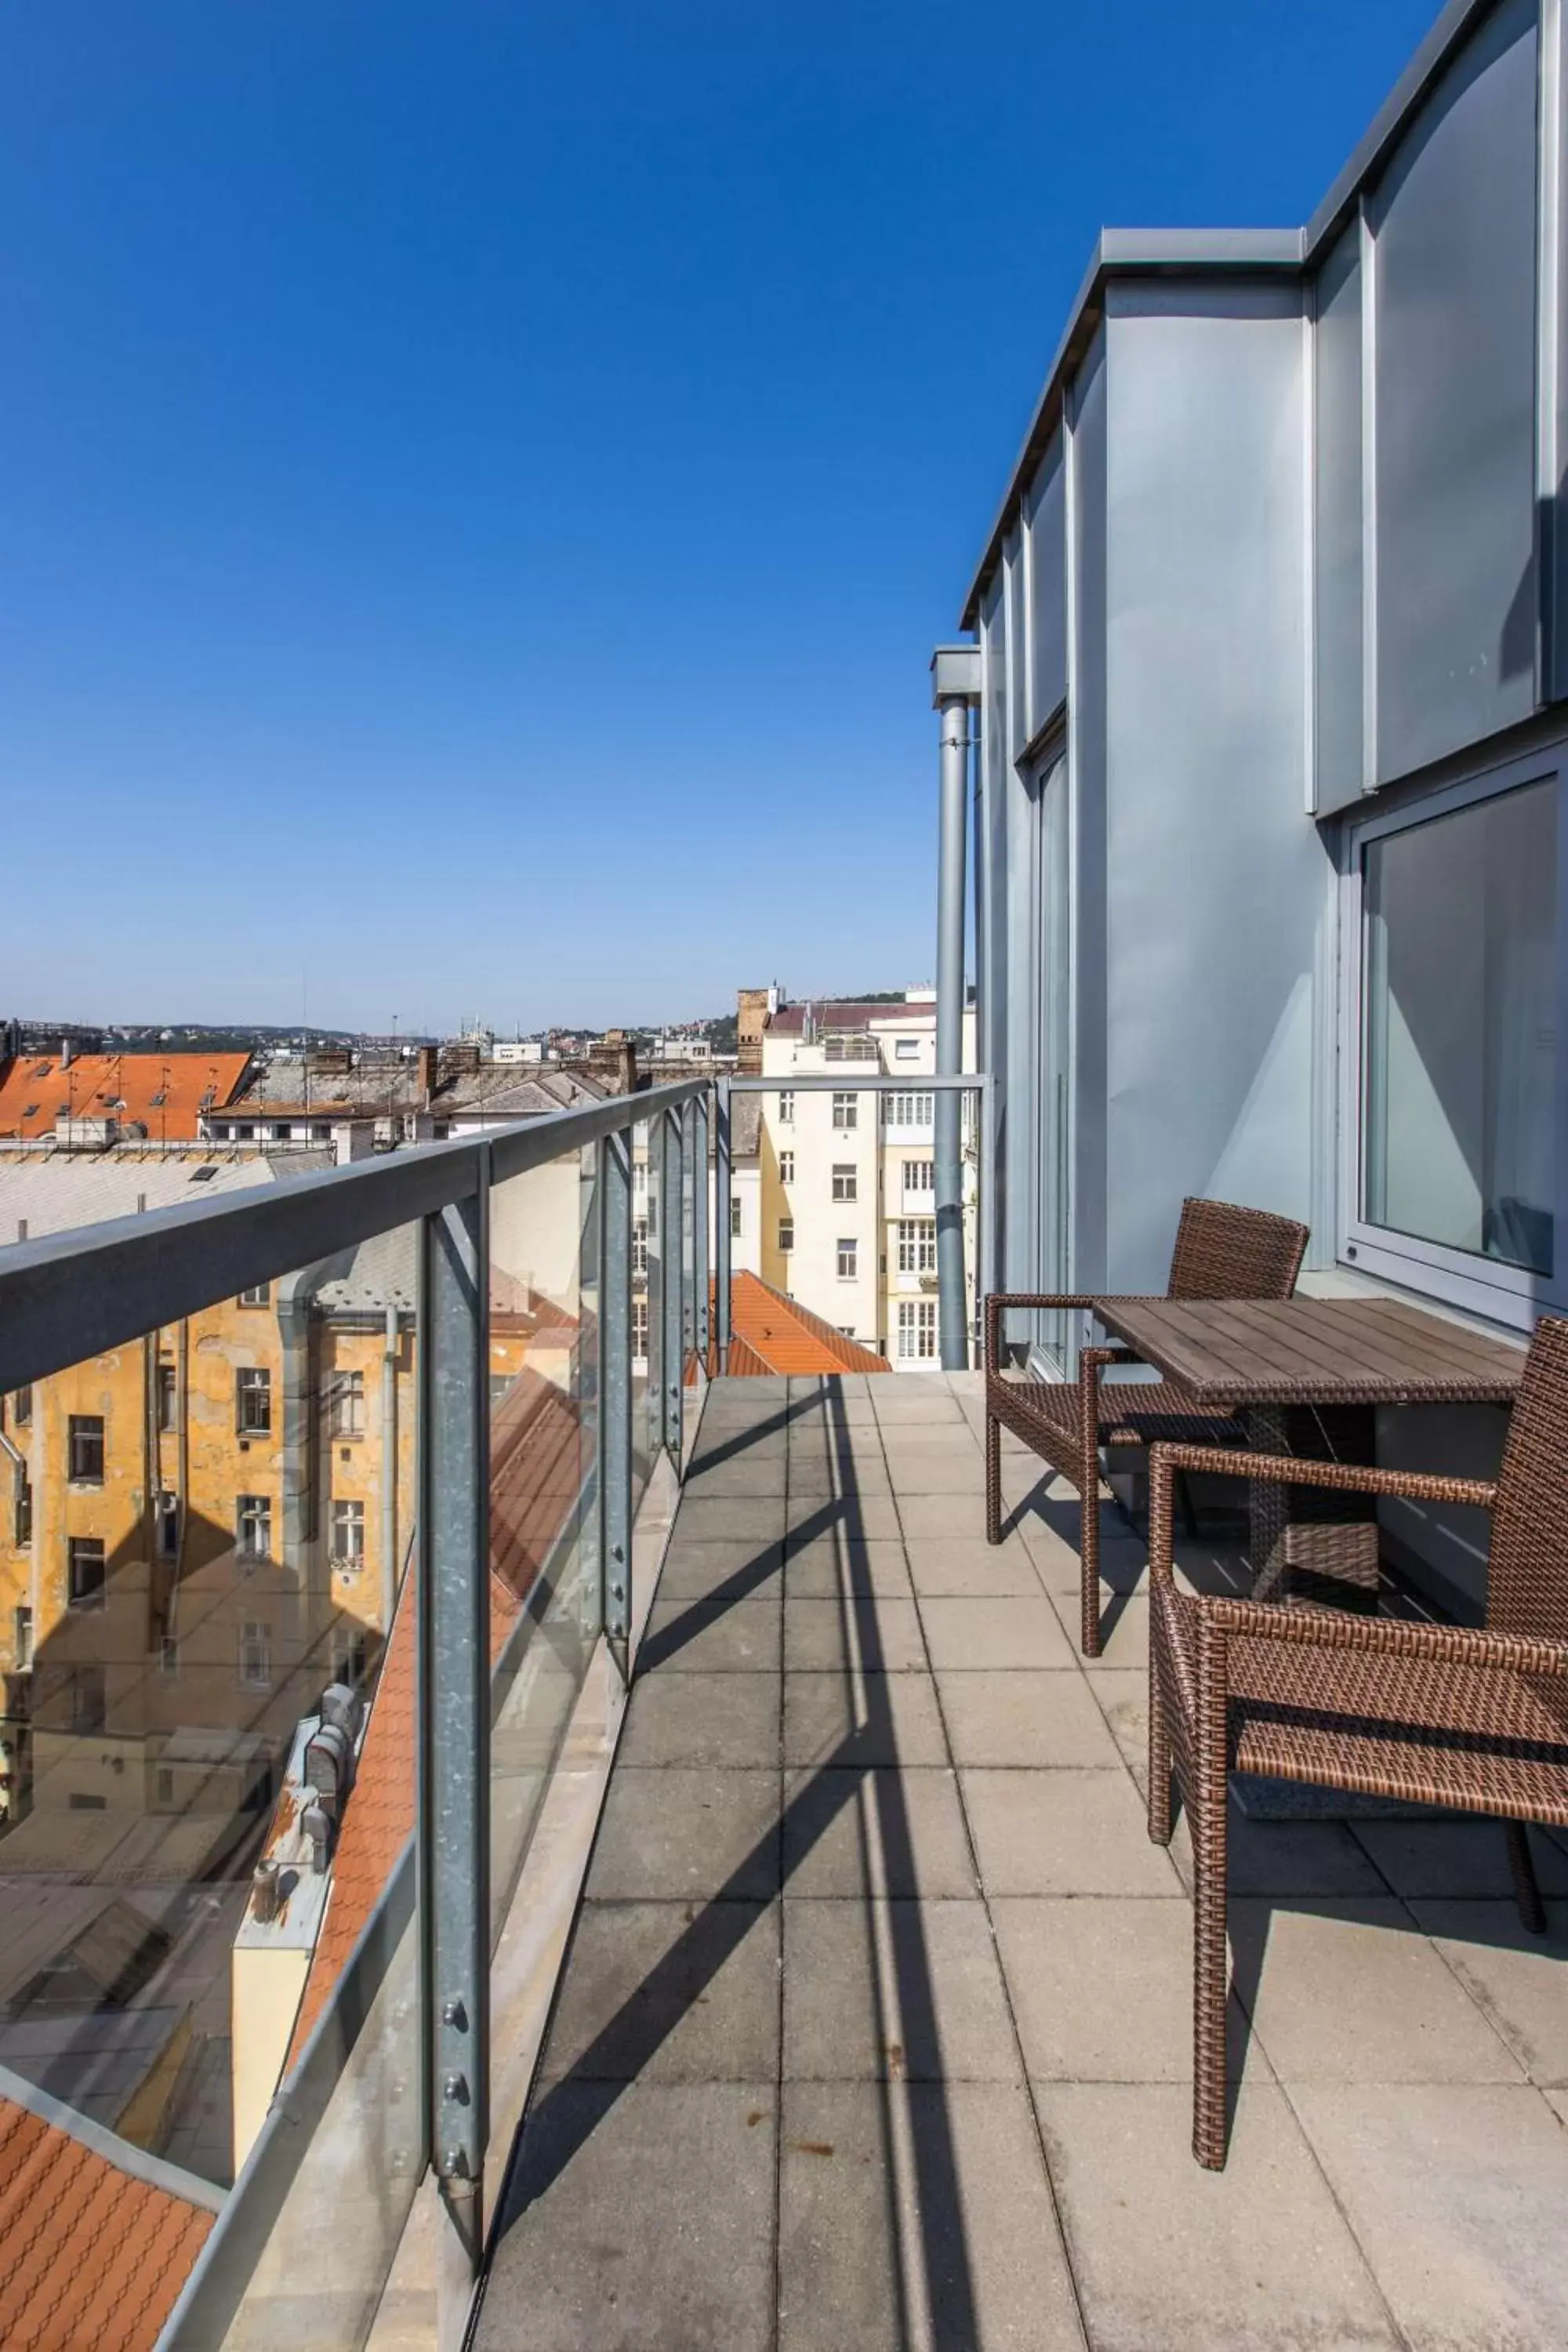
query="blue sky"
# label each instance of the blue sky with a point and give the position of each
(481, 483)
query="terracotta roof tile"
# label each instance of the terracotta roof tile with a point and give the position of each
(34, 1089)
(771, 1333)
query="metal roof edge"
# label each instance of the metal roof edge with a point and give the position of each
(1124, 252)
(1454, 21)
(156, 2171)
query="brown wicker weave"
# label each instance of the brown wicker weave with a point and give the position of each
(1222, 1252)
(1437, 1715)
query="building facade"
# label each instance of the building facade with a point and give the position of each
(1273, 653)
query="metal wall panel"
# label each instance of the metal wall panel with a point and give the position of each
(1218, 881)
(1019, 1142)
(1087, 728)
(1337, 526)
(1454, 225)
(991, 873)
(1044, 515)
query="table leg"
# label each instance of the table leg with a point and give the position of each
(1310, 1544)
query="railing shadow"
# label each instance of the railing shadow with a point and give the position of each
(857, 1770)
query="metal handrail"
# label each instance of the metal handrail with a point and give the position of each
(76, 1294)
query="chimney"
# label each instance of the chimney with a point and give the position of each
(65, 1052)
(429, 1063)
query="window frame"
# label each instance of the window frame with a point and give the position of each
(786, 1106)
(75, 1423)
(846, 1179)
(257, 1507)
(344, 1519)
(786, 1167)
(255, 1636)
(907, 1191)
(786, 1226)
(345, 1404)
(845, 1111)
(93, 1599)
(1510, 1295)
(846, 1256)
(258, 1295)
(252, 1380)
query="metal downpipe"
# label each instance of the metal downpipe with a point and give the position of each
(952, 1323)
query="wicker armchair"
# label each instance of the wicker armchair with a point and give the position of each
(1437, 1715)
(1221, 1252)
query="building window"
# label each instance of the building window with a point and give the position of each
(786, 1106)
(166, 1524)
(86, 1444)
(21, 1407)
(253, 1527)
(258, 1295)
(909, 1110)
(846, 1113)
(640, 1180)
(639, 1246)
(920, 1177)
(24, 1511)
(168, 1398)
(845, 1184)
(168, 1657)
(345, 1404)
(1460, 1035)
(917, 1330)
(906, 1049)
(916, 1244)
(253, 1401)
(849, 1258)
(22, 1638)
(84, 1571)
(786, 1234)
(734, 1216)
(639, 1328)
(254, 1655)
(87, 1699)
(348, 1533)
(786, 1168)
(351, 1659)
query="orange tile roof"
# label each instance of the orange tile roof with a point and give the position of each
(89, 2254)
(34, 1089)
(771, 1333)
(536, 1440)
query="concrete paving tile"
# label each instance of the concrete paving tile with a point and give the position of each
(1171, 2258)
(825, 1475)
(917, 2217)
(1455, 1858)
(1024, 1716)
(968, 1567)
(1124, 1632)
(890, 1719)
(751, 1517)
(894, 1991)
(1354, 1992)
(737, 1571)
(682, 1832)
(1124, 1696)
(640, 2215)
(1063, 1832)
(926, 1516)
(862, 1832)
(669, 1992)
(1294, 1860)
(936, 1470)
(868, 1518)
(863, 1629)
(716, 1719)
(749, 1470)
(714, 1636)
(1458, 2196)
(1123, 1560)
(1102, 1986)
(909, 1403)
(1519, 1979)
(978, 1633)
(822, 1569)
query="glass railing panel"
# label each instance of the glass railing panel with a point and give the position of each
(647, 1304)
(208, 1754)
(544, 1598)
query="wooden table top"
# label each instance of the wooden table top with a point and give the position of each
(1314, 1351)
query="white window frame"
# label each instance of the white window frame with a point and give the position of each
(736, 1219)
(786, 1168)
(255, 1655)
(916, 1244)
(846, 1183)
(786, 1226)
(846, 1113)
(847, 1254)
(917, 1322)
(345, 1404)
(253, 1512)
(1510, 1295)
(786, 1106)
(911, 1192)
(906, 1049)
(348, 1531)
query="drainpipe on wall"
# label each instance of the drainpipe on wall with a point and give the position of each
(956, 685)
(389, 1474)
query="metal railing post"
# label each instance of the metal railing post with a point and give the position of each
(615, 1390)
(453, 1748)
(699, 1225)
(672, 1286)
(722, 1230)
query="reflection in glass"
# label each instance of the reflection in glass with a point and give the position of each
(1460, 1029)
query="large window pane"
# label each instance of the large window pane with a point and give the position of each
(1460, 1031)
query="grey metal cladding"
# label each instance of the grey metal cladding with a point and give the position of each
(1087, 713)
(1337, 525)
(991, 860)
(1216, 880)
(1454, 225)
(1045, 510)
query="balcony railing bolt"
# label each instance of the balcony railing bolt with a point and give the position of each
(453, 2013)
(454, 2164)
(455, 2088)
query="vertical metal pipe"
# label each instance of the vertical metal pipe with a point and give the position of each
(954, 819)
(454, 1747)
(699, 1225)
(616, 1388)
(672, 1286)
(722, 1233)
